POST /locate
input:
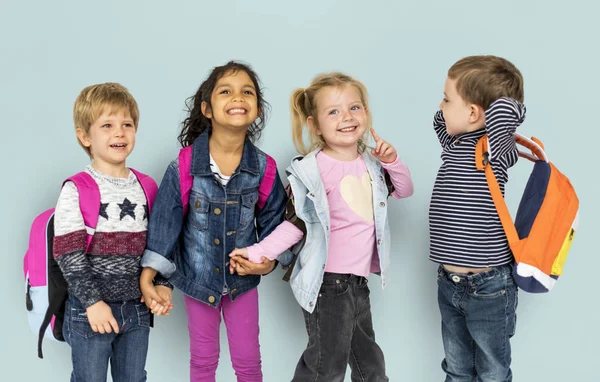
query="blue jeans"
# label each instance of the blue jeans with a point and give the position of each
(91, 352)
(478, 319)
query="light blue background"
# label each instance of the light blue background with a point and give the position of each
(401, 50)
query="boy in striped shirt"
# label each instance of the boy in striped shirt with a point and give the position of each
(477, 295)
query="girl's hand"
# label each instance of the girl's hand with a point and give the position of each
(154, 299)
(167, 295)
(238, 252)
(383, 151)
(245, 267)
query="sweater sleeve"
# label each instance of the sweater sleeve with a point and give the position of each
(70, 240)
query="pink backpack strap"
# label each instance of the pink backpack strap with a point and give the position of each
(266, 184)
(186, 180)
(148, 185)
(185, 176)
(89, 202)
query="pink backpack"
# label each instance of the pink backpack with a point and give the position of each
(46, 287)
(186, 180)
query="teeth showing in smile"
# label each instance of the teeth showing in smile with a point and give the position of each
(348, 129)
(118, 145)
(236, 111)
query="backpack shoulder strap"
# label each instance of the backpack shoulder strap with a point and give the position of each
(89, 205)
(482, 161)
(185, 176)
(89, 201)
(267, 181)
(148, 185)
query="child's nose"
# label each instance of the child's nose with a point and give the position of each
(346, 116)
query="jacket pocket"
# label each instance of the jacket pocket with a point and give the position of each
(247, 208)
(198, 211)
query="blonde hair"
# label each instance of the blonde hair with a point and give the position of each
(303, 105)
(94, 100)
(483, 79)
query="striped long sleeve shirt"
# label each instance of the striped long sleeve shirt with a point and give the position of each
(464, 226)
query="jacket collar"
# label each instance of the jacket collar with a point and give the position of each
(201, 156)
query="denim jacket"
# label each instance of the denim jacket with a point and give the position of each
(312, 207)
(192, 251)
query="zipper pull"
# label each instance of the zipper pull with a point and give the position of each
(28, 302)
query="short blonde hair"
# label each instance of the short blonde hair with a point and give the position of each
(304, 105)
(94, 100)
(483, 79)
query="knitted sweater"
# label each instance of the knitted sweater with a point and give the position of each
(110, 269)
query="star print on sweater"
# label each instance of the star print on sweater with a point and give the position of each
(103, 212)
(127, 208)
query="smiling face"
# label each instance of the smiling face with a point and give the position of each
(341, 117)
(111, 139)
(233, 101)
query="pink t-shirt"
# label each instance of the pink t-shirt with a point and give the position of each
(350, 198)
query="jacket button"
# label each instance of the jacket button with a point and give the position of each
(211, 299)
(217, 241)
(217, 211)
(197, 204)
(382, 204)
(233, 290)
(217, 270)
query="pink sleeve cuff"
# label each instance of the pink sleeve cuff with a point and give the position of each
(281, 239)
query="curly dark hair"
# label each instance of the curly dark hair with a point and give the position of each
(196, 123)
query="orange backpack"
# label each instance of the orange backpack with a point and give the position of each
(547, 218)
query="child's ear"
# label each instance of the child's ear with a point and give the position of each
(476, 115)
(206, 109)
(83, 137)
(310, 122)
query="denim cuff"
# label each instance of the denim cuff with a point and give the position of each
(157, 262)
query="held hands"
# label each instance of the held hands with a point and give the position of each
(157, 298)
(239, 263)
(383, 151)
(101, 318)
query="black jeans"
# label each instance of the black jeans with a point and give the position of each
(340, 332)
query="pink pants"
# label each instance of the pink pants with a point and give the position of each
(241, 321)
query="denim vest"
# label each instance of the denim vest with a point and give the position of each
(312, 207)
(192, 251)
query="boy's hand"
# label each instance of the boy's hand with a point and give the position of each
(101, 318)
(383, 151)
(239, 252)
(154, 298)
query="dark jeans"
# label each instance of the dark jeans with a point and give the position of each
(91, 352)
(478, 320)
(340, 332)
